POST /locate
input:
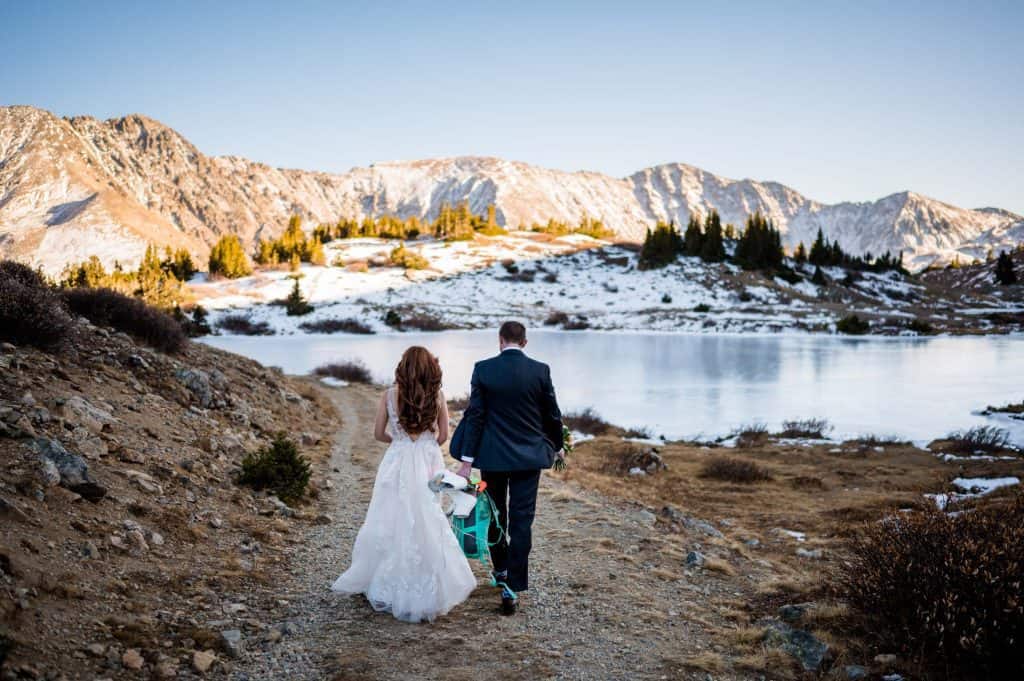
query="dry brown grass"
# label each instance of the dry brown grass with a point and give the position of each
(734, 470)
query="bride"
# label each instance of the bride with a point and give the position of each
(406, 558)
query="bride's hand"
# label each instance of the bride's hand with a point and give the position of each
(466, 469)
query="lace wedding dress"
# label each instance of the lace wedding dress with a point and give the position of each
(406, 558)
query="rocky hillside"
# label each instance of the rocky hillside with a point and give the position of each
(79, 186)
(124, 539)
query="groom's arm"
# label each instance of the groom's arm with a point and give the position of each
(551, 415)
(474, 418)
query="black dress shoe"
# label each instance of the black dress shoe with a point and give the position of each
(509, 602)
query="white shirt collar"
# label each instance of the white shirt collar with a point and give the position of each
(513, 347)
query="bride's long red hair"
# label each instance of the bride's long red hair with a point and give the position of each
(418, 377)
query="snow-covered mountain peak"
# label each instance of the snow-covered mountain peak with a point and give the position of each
(72, 187)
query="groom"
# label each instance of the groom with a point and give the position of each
(513, 429)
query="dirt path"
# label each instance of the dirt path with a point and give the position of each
(609, 599)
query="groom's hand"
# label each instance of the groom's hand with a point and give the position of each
(465, 469)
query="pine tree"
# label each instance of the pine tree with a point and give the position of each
(1005, 274)
(295, 262)
(693, 239)
(295, 304)
(227, 259)
(266, 254)
(819, 254)
(760, 245)
(818, 277)
(713, 246)
(661, 246)
(801, 253)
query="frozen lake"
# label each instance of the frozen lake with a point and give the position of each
(688, 385)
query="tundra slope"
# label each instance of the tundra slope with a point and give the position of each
(75, 187)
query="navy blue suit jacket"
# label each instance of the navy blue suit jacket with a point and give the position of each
(512, 422)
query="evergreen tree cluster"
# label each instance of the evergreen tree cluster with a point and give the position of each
(662, 245)
(292, 247)
(227, 258)
(707, 242)
(158, 281)
(830, 254)
(587, 226)
(1004, 270)
(760, 245)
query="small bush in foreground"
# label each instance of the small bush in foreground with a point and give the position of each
(921, 327)
(426, 322)
(577, 323)
(353, 372)
(587, 421)
(31, 312)
(977, 439)
(752, 435)
(279, 468)
(336, 326)
(703, 307)
(944, 589)
(244, 326)
(734, 470)
(805, 428)
(852, 325)
(105, 307)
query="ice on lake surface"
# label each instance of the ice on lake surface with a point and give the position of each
(686, 385)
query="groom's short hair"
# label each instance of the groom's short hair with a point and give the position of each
(513, 332)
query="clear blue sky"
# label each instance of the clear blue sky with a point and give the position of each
(844, 100)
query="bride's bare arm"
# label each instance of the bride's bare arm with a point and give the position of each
(380, 426)
(442, 420)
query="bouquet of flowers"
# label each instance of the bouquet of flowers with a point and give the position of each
(567, 447)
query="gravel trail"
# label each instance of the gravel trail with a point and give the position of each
(609, 597)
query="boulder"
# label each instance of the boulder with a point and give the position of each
(72, 470)
(695, 559)
(792, 612)
(198, 383)
(808, 650)
(80, 411)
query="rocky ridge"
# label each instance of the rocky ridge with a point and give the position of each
(75, 187)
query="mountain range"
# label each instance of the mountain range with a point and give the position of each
(75, 187)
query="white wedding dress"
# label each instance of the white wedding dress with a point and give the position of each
(406, 558)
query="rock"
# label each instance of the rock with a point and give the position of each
(155, 538)
(144, 482)
(695, 559)
(809, 651)
(324, 519)
(886, 659)
(90, 551)
(96, 649)
(198, 383)
(636, 470)
(167, 669)
(809, 553)
(231, 640)
(72, 469)
(854, 672)
(753, 543)
(794, 611)
(28, 400)
(90, 446)
(9, 510)
(47, 473)
(202, 660)
(215, 522)
(892, 677)
(80, 411)
(7, 348)
(132, 659)
(309, 439)
(138, 540)
(645, 517)
(137, 362)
